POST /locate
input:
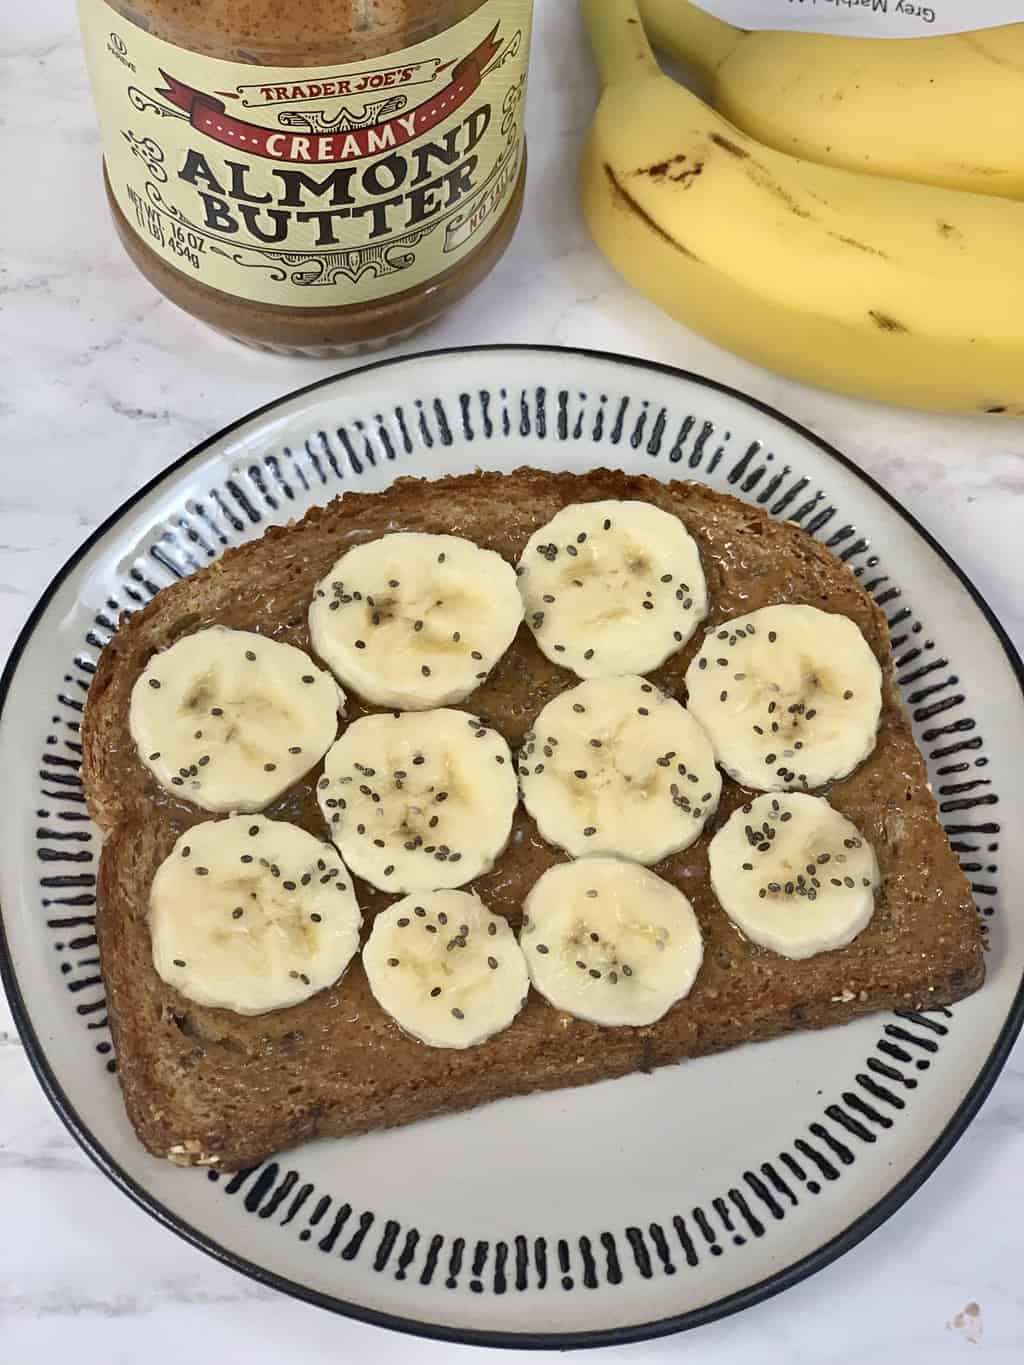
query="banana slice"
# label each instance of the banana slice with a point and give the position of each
(615, 766)
(794, 874)
(420, 800)
(414, 620)
(251, 915)
(446, 970)
(612, 587)
(228, 719)
(789, 695)
(609, 941)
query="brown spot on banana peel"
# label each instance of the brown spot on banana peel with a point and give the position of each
(977, 42)
(886, 323)
(860, 246)
(626, 201)
(727, 145)
(758, 174)
(687, 177)
(947, 229)
(761, 178)
(973, 169)
(660, 170)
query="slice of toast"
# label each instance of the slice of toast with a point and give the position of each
(206, 1086)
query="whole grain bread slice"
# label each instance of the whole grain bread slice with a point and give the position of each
(211, 1087)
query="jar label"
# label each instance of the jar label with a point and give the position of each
(869, 18)
(313, 186)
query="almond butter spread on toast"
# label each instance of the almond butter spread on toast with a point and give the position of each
(206, 1084)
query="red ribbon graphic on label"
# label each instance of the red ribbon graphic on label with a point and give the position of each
(209, 115)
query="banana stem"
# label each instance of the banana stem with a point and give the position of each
(617, 36)
(690, 36)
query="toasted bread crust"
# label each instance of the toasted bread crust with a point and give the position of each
(205, 1086)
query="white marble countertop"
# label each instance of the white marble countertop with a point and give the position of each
(101, 384)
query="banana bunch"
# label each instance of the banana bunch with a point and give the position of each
(944, 111)
(880, 288)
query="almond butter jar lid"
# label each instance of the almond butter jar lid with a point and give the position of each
(312, 176)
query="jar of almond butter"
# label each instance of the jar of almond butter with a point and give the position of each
(312, 176)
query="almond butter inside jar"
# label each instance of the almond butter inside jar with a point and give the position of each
(313, 177)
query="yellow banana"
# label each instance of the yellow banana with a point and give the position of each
(881, 288)
(945, 111)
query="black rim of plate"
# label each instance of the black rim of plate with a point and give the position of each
(733, 1303)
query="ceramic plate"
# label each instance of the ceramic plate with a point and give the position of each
(623, 1210)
